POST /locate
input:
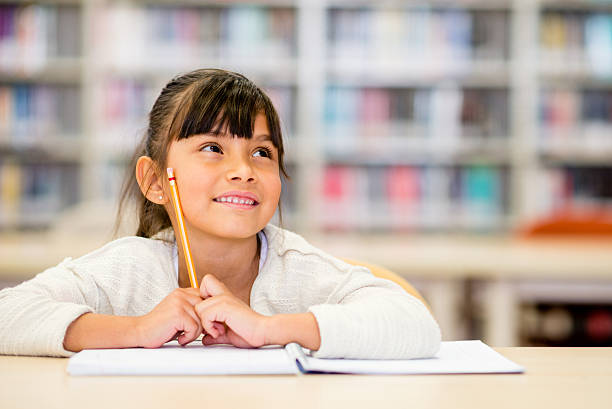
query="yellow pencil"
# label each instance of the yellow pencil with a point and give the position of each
(181, 223)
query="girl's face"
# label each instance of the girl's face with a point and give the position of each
(229, 187)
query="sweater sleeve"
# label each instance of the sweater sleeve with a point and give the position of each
(35, 315)
(372, 318)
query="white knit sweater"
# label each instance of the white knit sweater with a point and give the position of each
(359, 315)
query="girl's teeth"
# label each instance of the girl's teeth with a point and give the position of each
(235, 200)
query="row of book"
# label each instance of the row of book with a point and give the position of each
(562, 187)
(567, 108)
(30, 113)
(163, 35)
(32, 195)
(567, 37)
(123, 115)
(573, 120)
(569, 325)
(448, 197)
(31, 35)
(448, 110)
(418, 34)
(410, 197)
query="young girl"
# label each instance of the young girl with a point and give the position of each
(260, 284)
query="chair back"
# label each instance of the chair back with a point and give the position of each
(382, 272)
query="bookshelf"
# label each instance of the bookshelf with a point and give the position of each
(410, 117)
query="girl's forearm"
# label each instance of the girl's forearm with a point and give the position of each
(91, 331)
(301, 328)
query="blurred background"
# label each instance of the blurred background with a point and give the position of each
(466, 145)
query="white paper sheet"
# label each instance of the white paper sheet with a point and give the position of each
(454, 357)
(172, 359)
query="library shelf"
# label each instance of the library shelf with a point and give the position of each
(463, 110)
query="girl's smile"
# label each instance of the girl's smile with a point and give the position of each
(237, 200)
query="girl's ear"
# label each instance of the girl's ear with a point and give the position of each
(150, 181)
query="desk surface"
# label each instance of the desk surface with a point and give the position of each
(555, 377)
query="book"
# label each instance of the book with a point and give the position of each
(454, 357)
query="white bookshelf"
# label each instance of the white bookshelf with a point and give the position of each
(120, 51)
(121, 44)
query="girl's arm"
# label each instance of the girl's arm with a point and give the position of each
(70, 305)
(365, 317)
(34, 315)
(91, 331)
(301, 328)
(173, 316)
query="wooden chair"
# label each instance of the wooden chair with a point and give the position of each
(382, 272)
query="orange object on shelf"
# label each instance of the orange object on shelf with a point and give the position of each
(592, 222)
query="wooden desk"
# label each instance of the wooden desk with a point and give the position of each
(555, 377)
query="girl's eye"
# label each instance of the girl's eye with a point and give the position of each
(211, 148)
(263, 152)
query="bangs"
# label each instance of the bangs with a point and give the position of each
(222, 104)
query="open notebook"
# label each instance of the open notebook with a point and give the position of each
(195, 359)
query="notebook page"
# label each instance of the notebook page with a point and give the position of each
(172, 359)
(454, 357)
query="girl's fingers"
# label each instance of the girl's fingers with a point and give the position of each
(220, 327)
(191, 295)
(230, 338)
(191, 325)
(211, 286)
(194, 316)
(213, 313)
(190, 310)
(191, 330)
(210, 322)
(209, 340)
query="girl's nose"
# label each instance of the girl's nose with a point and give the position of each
(240, 170)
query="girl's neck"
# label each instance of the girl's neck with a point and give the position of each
(235, 262)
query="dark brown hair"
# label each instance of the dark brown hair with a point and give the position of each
(199, 102)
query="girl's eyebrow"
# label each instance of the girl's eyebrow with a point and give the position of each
(263, 137)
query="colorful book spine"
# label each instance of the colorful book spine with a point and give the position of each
(32, 35)
(576, 121)
(403, 198)
(171, 34)
(32, 113)
(576, 40)
(32, 193)
(435, 36)
(447, 113)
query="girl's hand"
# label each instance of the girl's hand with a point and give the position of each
(227, 319)
(174, 315)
